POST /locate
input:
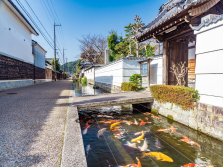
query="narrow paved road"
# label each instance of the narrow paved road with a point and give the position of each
(32, 124)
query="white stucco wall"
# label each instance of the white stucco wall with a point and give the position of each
(16, 42)
(39, 56)
(110, 74)
(89, 74)
(209, 64)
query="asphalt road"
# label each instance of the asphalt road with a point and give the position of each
(32, 124)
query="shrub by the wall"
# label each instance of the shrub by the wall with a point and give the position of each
(84, 80)
(136, 78)
(129, 86)
(79, 79)
(179, 95)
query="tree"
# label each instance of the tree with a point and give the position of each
(136, 28)
(93, 47)
(57, 64)
(180, 71)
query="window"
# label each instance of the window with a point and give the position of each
(144, 69)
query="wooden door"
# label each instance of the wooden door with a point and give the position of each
(177, 54)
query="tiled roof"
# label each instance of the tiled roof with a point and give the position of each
(209, 22)
(168, 11)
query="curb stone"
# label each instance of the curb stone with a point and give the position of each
(73, 154)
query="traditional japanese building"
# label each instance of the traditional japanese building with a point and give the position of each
(191, 31)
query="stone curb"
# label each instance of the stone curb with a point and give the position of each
(73, 154)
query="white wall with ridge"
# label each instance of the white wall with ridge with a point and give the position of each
(15, 37)
(209, 64)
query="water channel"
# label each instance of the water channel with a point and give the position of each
(206, 151)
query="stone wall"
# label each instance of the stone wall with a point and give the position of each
(204, 118)
(39, 73)
(12, 69)
(108, 87)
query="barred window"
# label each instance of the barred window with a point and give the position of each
(144, 69)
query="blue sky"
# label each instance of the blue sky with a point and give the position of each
(81, 17)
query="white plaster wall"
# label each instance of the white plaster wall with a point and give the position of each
(110, 74)
(39, 57)
(89, 74)
(209, 64)
(156, 71)
(16, 42)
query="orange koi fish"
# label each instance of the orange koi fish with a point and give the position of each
(147, 118)
(128, 122)
(187, 140)
(143, 123)
(90, 121)
(116, 129)
(191, 165)
(155, 117)
(112, 121)
(171, 128)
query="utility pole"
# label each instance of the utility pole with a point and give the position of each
(55, 69)
(63, 60)
(66, 63)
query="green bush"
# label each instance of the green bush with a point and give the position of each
(84, 80)
(129, 86)
(136, 78)
(79, 79)
(179, 95)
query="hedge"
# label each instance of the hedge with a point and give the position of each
(179, 95)
(129, 86)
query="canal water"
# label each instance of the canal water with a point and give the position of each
(201, 149)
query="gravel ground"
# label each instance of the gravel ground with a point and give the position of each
(32, 124)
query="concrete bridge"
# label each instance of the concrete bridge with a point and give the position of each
(112, 99)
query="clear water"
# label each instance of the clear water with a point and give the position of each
(83, 90)
(109, 148)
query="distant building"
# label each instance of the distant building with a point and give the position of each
(16, 57)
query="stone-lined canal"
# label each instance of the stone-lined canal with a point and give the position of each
(176, 146)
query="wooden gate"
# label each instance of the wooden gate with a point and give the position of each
(177, 53)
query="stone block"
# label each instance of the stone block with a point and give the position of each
(167, 105)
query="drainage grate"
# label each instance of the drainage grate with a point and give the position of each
(11, 93)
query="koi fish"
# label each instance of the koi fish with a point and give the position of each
(158, 144)
(143, 123)
(136, 123)
(100, 132)
(144, 147)
(172, 129)
(119, 134)
(139, 133)
(147, 113)
(114, 124)
(147, 118)
(116, 129)
(112, 121)
(133, 145)
(158, 155)
(87, 125)
(90, 121)
(88, 148)
(155, 117)
(85, 130)
(128, 122)
(191, 165)
(130, 165)
(138, 138)
(187, 140)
